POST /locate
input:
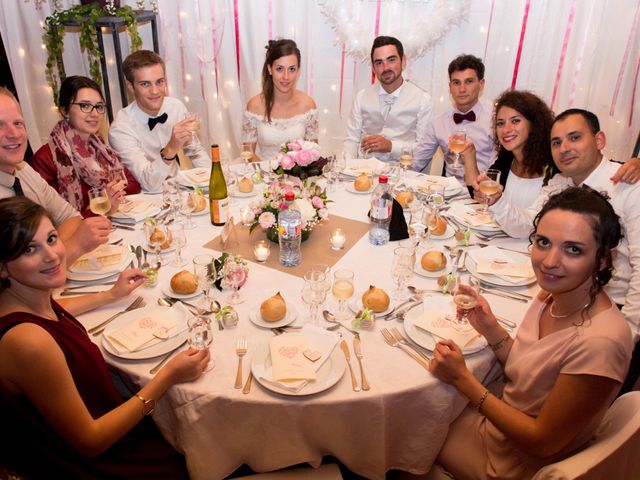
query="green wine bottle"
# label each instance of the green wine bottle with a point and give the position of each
(218, 198)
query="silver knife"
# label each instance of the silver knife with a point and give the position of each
(347, 355)
(69, 293)
(88, 284)
(357, 349)
(139, 255)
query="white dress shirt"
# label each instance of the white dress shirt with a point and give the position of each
(37, 189)
(139, 148)
(408, 115)
(437, 131)
(624, 287)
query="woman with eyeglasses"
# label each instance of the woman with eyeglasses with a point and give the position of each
(76, 158)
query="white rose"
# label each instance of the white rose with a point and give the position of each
(305, 208)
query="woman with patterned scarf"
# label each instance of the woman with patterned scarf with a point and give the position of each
(76, 158)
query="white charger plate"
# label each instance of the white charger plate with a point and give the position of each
(448, 233)
(489, 228)
(234, 192)
(327, 376)
(168, 291)
(100, 274)
(256, 318)
(418, 270)
(356, 305)
(495, 279)
(351, 189)
(150, 352)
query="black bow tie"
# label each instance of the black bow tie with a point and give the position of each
(459, 117)
(153, 121)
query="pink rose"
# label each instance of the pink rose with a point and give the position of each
(295, 146)
(304, 158)
(317, 202)
(287, 162)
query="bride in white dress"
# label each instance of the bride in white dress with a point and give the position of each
(281, 112)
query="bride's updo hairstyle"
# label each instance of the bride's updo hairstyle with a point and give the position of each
(19, 222)
(275, 49)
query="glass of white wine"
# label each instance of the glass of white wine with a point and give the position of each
(457, 143)
(99, 202)
(406, 161)
(489, 186)
(343, 290)
(193, 125)
(246, 155)
(465, 297)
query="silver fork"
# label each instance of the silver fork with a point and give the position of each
(390, 339)
(241, 351)
(98, 329)
(403, 340)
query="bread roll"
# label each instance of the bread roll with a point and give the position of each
(404, 198)
(184, 282)
(433, 261)
(362, 183)
(375, 299)
(245, 185)
(273, 308)
(437, 225)
(197, 202)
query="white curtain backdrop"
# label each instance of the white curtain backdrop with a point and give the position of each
(191, 31)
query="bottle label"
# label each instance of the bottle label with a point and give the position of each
(219, 210)
(290, 230)
(381, 209)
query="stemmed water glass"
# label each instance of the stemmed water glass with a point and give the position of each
(170, 197)
(465, 296)
(406, 161)
(343, 290)
(99, 202)
(401, 270)
(246, 154)
(457, 143)
(235, 273)
(200, 335)
(489, 186)
(205, 272)
(155, 235)
(314, 293)
(417, 223)
(187, 205)
(178, 240)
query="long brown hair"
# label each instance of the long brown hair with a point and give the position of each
(275, 50)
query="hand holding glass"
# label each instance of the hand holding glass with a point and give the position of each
(99, 202)
(200, 335)
(465, 296)
(489, 185)
(457, 143)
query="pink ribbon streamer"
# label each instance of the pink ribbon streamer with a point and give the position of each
(516, 67)
(633, 93)
(376, 32)
(341, 81)
(625, 59)
(563, 53)
(182, 62)
(214, 35)
(484, 57)
(237, 33)
(270, 18)
(200, 51)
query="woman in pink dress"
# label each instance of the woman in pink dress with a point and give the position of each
(565, 365)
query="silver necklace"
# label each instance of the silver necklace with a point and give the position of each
(556, 316)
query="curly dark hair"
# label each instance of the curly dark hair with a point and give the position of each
(19, 221)
(605, 225)
(537, 149)
(275, 49)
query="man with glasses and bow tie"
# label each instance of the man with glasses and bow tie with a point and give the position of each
(151, 133)
(385, 117)
(466, 81)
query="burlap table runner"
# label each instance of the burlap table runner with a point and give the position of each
(317, 249)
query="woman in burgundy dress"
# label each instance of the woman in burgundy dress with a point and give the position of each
(60, 413)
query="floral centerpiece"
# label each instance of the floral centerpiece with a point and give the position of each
(310, 200)
(299, 158)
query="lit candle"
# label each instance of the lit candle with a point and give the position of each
(261, 250)
(338, 239)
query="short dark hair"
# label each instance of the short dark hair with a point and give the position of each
(140, 59)
(465, 61)
(382, 40)
(69, 90)
(589, 117)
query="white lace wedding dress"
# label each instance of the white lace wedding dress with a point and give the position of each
(269, 136)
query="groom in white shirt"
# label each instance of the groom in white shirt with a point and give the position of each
(386, 116)
(151, 133)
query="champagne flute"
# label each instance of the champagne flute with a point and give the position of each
(178, 240)
(205, 271)
(401, 270)
(465, 296)
(99, 202)
(343, 290)
(200, 335)
(457, 143)
(489, 185)
(406, 161)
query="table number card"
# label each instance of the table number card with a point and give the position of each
(229, 237)
(288, 360)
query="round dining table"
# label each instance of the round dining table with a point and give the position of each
(400, 423)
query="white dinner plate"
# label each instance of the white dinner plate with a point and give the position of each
(147, 248)
(421, 183)
(426, 273)
(444, 304)
(234, 192)
(495, 279)
(351, 189)
(327, 376)
(489, 228)
(448, 233)
(126, 257)
(168, 291)
(150, 352)
(356, 305)
(185, 181)
(99, 275)
(256, 318)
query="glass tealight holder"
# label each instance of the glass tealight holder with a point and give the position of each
(338, 239)
(247, 216)
(261, 250)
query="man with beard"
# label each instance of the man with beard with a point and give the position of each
(386, 117)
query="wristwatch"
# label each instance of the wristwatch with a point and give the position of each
(148, 406)
(167, 158)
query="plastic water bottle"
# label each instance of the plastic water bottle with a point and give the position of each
(290, 233)
(380, 214)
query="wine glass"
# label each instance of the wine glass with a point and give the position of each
(178, 240)
(435, 196)
(314, 293)
(155, 235)
(326, 271)
(401, 270)
(246, 154)
(406, 161)
(489, 185)
(187, 205)
(170, 194)
(200, 335)
(193, 125)
(343, 290)
(417, 225)
(235, 274)
(205, 271)
(121, 177)
(457, 143)
(465, 296)
(99, 202)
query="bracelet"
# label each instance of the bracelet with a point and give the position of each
(167, 158)
(497, 346)
(148, 406)
(482, 399)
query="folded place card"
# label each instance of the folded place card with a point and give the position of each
(368, 165)
(105, 257)
(136, 207)
(470, 216)
(151, 325)
(197, 176)
(436, 324)
(288, 360)
(502, 267)
(448, 182)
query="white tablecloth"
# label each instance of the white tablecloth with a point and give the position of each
(400, 423)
